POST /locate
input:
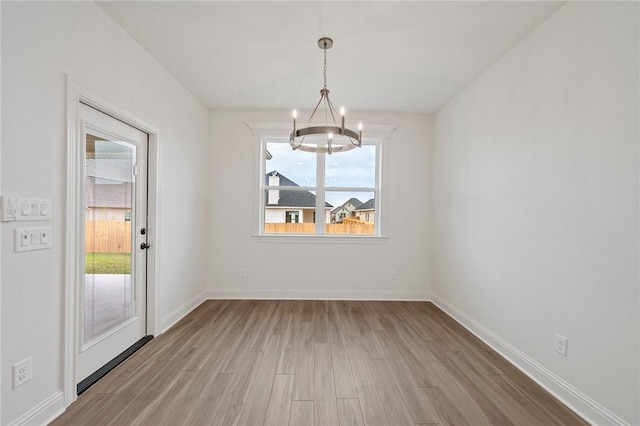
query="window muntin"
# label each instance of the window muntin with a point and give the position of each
(325, 183)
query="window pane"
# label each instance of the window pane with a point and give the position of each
(296, 166)
(291, 212)
(353, 213)
(355, 168)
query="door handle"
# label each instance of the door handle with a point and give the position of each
(144, 246)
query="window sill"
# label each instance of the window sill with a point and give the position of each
(320, 239)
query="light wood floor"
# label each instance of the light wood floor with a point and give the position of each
(316, 362)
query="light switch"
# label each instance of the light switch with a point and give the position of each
(28, 239)
(44, 210)
(35, 209)
(26, 209)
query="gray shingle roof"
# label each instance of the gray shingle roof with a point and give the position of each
(292, 198)
(114, 195)
(357, 203)
(367, 205)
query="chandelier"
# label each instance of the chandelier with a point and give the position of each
(336, 136)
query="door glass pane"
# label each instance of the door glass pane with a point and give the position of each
(109, 201)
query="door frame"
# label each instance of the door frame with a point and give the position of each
(74, 241)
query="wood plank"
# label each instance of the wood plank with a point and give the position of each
(407, 380)
(256, 404)
(303, 387)
(81, 412)
(446, 410)
(389, 392)
(173, 406)
(279, 407)
(455, 391)
(326, 411)
(343, 373)
(301, 413)
(371, 403)
(233, 399)
(208, 402)
(287, 363)
(350, 413)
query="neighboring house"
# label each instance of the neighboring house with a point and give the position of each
(366, 212)
(107, 189)
(345, 210)
(282, 206)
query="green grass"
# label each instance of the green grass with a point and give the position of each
(107, 263)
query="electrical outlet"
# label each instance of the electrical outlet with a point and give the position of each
(243, 272)
(22, 372)
(560, 344)
(393, 275)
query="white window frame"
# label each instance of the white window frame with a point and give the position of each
(264, 133)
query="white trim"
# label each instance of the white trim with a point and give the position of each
(43, 413)
(317, 295)
(320, 239)
(181, 311)
(74, 243)
(1, 369)
(581, 404)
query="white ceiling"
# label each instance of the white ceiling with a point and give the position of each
(393, 56)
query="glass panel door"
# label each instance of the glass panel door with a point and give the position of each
(109, 194)
(111, 298)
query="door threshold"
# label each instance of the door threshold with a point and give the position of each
(101, 372)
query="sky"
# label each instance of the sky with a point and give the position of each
(355, 168)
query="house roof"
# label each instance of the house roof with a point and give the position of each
(100, 193)
(292, 198)
(367, 205)
(109, 183)
(357, 203)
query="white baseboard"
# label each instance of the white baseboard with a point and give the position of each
(181, 311)
(577, 401)
(43, 413)
(316, 295)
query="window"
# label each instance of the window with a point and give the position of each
(292, 216)
(341, 189)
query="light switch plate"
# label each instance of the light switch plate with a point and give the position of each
(24, 209)
(27, 239)
(8, 208)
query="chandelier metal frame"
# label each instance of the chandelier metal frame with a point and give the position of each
(331, 128)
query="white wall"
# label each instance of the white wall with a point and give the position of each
(318, 270)
(535, 206)
(40, 43)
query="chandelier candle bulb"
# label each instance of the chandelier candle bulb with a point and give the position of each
(342, 115)
(295, 115)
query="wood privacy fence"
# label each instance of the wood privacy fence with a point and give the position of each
(309, 228)
(114, 236)
(107, 236)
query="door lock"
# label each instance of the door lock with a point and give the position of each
(144, 246)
